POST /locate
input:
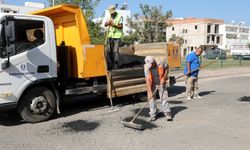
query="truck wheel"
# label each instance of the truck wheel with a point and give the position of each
(37, 105)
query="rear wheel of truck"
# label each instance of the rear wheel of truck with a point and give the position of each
(37, 105)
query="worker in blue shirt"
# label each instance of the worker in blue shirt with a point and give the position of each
(191, 71)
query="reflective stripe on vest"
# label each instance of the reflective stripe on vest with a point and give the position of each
(114, 32)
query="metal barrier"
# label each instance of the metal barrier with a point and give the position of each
(229, 61)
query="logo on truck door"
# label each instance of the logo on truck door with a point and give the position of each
(22, 71)
(23, 67)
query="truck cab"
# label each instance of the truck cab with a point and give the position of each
(26, 56)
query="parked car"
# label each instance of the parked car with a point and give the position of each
(215, 54)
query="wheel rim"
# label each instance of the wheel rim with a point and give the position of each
(38, 105)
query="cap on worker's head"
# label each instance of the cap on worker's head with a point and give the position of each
(149, 60)
(111, 9)
(163, 62)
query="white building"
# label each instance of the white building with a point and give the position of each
(234, 36)
(28, 7)
(195, 32)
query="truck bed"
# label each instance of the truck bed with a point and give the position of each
(124, 82)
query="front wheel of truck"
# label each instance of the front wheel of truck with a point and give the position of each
(38, 104)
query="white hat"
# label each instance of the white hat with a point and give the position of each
(163, 62)
(111, 9)
(149, 60)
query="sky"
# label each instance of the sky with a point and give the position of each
(229, 10)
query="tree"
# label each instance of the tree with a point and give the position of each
(150, 26)
(177, 39)
(95, 31)
(129, 39)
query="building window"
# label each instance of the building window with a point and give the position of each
(185, 30)
(172, 28)
(216, 28)
(185, 41)
(213, 38)
(243, 37)
(244, 30)
(6, 11)
(195, 27)
(208, 39)
(192, 48)
(218, 40)
(231, 29)
(208, 28)
(231, 36)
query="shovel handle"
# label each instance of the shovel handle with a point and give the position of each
(144, 105)
(203, 66)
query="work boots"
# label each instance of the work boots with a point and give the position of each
(168, 116)
(153, 118)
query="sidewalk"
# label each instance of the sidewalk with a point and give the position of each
(210, 73)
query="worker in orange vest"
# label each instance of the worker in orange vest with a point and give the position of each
(156, 77)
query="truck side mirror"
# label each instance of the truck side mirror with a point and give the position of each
(10, 31)
(5, 64)
(11, 49)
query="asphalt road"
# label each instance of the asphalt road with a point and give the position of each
(218, 121)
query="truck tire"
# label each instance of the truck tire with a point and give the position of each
(37, 105)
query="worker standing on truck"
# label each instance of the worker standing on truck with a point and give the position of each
(115, 33)
(191, 71)
(156, 76)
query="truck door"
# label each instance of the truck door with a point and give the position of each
(24, 55)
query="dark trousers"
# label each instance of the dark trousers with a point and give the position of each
(113, 52)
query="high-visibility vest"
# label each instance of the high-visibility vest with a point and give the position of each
(115, 32)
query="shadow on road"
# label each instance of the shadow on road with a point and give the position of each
(72, 106)
(176, 109)
(79, 126)
(175, 102)
(203, 93)
(244, 99)
(144, 113)
(10, 118)
(176, 90)
(91, 103)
